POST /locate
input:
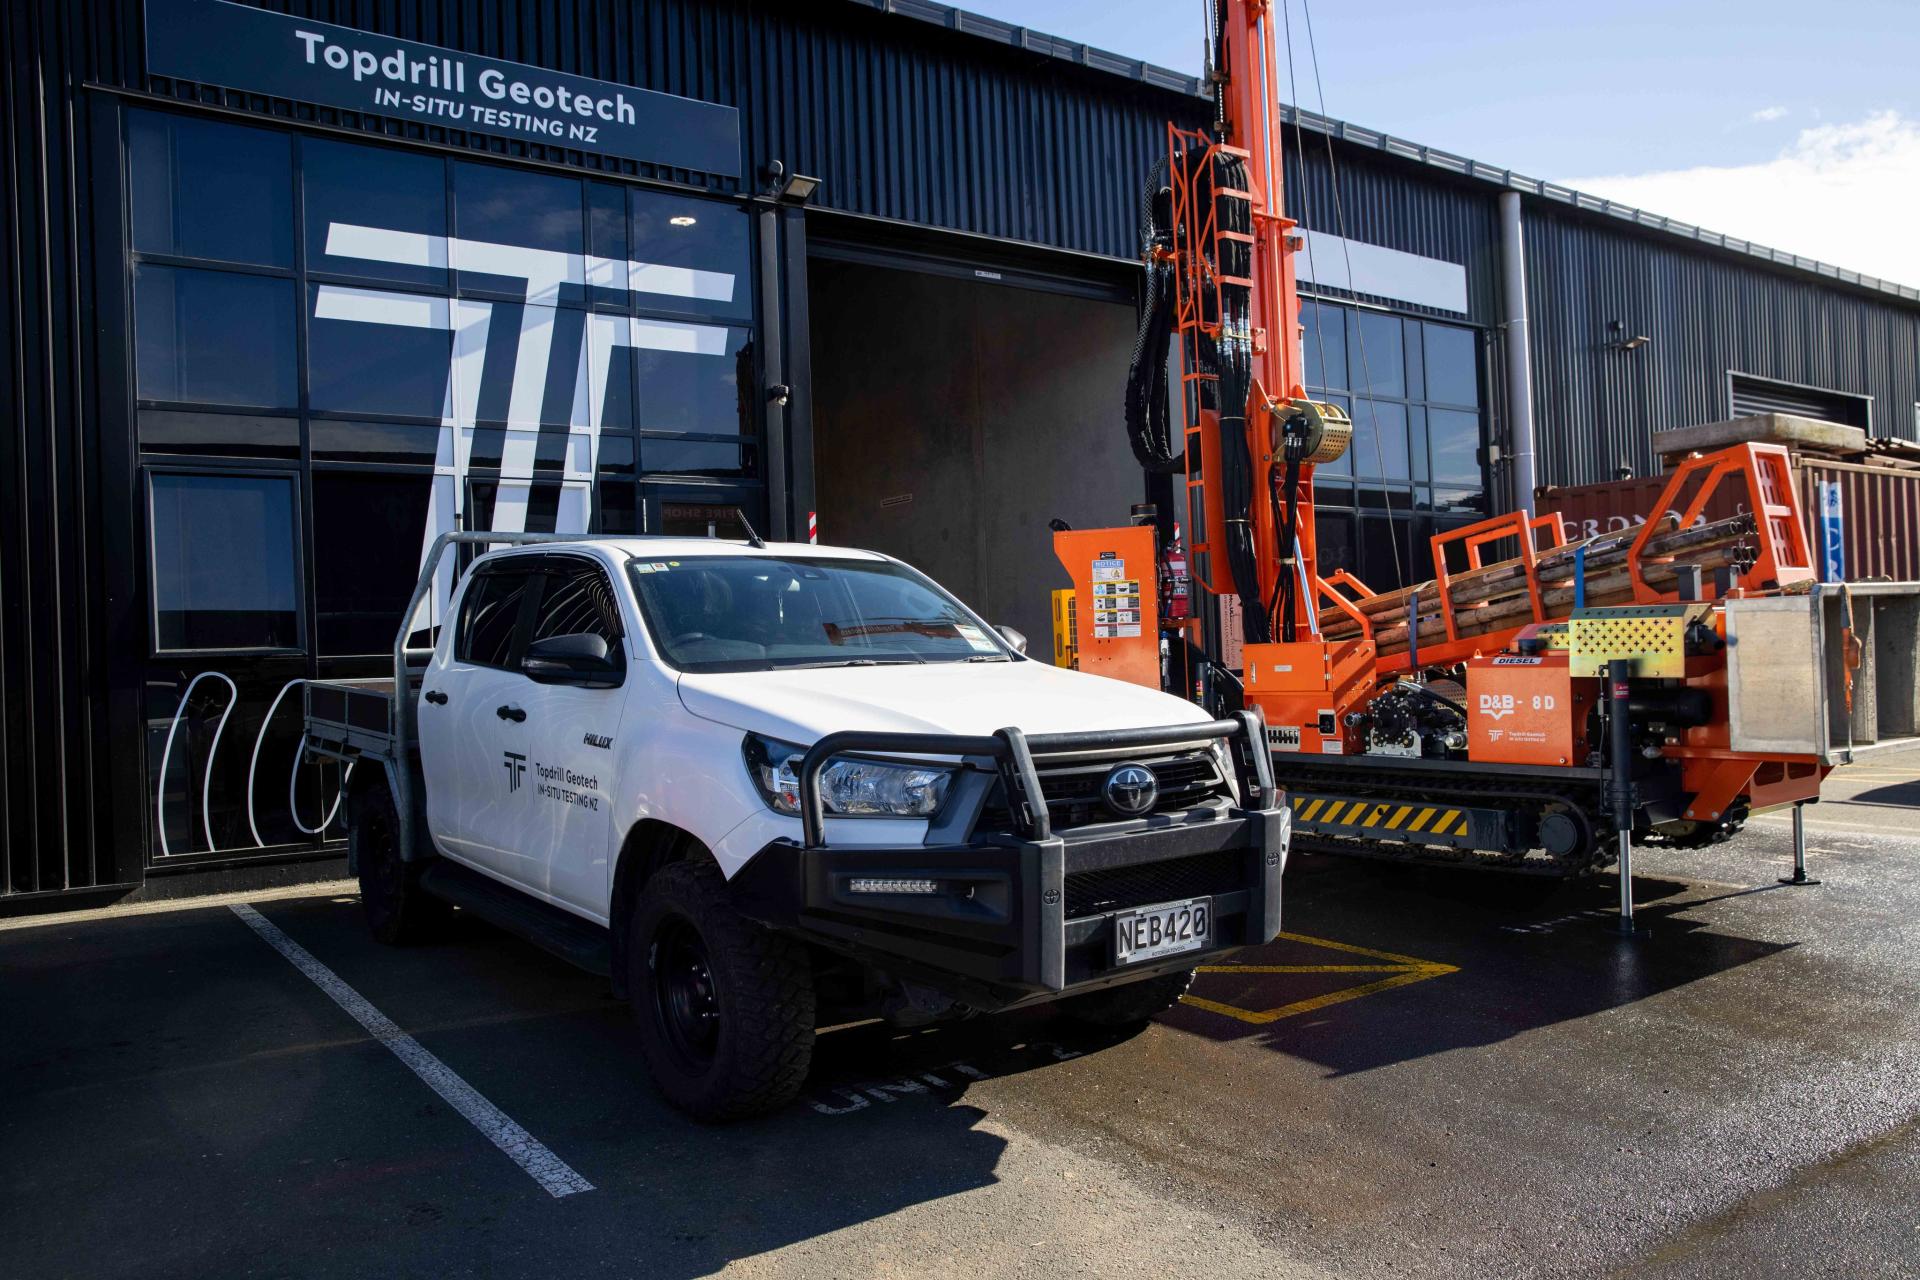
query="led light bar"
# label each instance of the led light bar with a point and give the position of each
(875, 885)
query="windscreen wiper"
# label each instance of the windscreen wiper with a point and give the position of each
(850, 662)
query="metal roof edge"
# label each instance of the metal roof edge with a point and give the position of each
(1140, 72)
(1508, 180)
(1031, 41)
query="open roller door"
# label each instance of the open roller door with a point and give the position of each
(954, 417)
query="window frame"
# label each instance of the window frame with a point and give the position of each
(559, 565)
(296, 539)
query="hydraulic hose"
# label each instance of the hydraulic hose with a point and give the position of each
(1149, 424)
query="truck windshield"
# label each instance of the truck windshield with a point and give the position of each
(762, 613)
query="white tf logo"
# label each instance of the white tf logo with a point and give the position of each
(529, 413)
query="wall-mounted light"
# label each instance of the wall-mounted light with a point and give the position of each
(682, 220)
(1634, 343)
(794, 188)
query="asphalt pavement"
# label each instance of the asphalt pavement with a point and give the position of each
(1428, 1076)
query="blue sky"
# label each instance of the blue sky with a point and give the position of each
(1796, 125)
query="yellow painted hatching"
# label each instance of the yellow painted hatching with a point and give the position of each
(1398, 971)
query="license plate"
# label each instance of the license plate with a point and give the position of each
(1147, 933)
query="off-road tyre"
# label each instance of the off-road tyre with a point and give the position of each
(399, 912)
(1130, 1005)
(726, 1006)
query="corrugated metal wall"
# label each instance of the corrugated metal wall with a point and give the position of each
(1703, 313)
(53, 736)
(1374, 199)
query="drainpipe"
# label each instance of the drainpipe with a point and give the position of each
(1513, 278)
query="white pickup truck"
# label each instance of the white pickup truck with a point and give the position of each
(765, 786)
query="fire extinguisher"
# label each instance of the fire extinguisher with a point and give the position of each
(1176, 586)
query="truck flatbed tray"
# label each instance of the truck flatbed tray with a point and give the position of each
(348, 719)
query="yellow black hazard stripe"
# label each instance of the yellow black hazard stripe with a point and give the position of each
(1390, 819)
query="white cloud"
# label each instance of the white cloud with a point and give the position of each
(1843, 193)
(1767, 115)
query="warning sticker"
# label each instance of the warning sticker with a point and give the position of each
(1105, 570)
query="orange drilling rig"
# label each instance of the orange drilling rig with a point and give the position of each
(1534, 706)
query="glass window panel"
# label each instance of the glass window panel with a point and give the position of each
(578, 602)
(607, 245)
(376, 442)
(619, 510)
(1471, 502)
(223, 562)
(213, 337)
(377, 351)
(1417, 438)
(1380, 439)
(1386, 552)
(1333, 534)
(1376, 361)
(368, 531)
(523, 233)
(701, 520)
(374, 212)
(617, 456)
(1456, 443)
(488, 614)
(696, 457)
(610, 373)
(690, 255)
(1453, 375)
(223, 434)
(208, 189)
(1323, 343)
(692, 377)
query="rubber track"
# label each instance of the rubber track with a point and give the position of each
(1464, 789)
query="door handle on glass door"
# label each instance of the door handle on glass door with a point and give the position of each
(436, 697)
(510, 713)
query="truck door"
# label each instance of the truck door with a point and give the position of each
(565, 825)
(474, 744)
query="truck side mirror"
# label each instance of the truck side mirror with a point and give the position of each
(1014, 638)
(583, 660)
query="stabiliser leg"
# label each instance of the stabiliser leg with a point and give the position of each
(1620, 734)
(1799, 875)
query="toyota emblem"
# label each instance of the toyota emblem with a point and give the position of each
(1131, 790)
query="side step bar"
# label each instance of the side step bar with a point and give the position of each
(578, 942)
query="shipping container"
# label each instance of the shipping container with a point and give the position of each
(1880, 506)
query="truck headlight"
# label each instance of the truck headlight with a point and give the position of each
(849, 787)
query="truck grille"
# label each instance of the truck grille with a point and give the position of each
(1117, 888)
(1073, 791)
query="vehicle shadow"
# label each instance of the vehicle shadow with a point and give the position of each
(1897, 795)
(882, 1126)
(1485, 962)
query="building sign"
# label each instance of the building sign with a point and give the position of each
(236, 46)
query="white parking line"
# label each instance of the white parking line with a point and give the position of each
(547, 1169)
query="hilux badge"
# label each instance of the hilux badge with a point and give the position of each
(1130, 790)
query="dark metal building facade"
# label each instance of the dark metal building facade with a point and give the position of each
(940, 139)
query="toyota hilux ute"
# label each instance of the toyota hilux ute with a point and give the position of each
(768, 787)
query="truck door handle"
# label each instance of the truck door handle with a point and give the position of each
(436, 697)
(510, 713)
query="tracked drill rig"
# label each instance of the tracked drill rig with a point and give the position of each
(1533, 707)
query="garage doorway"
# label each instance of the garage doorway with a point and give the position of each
(953, 417)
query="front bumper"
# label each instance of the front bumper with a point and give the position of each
(1029, 916)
